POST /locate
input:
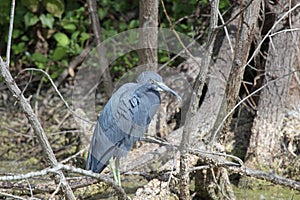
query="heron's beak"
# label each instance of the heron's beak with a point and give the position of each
(167, 89)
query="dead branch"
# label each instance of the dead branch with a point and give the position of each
(11, 196)
(57, 169)
(267, 176)
(48, 186)
(11, 27)
(36, 125)
(211, 159)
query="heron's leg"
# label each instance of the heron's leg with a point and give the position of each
(118, 171)
(112, 165)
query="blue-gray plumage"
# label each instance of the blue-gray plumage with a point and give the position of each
(125, 118)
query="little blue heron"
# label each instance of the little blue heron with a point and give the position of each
(124, 120)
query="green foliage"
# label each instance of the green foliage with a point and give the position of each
(224, 4)
(55, 7)
(31, 5)
(30, 19)
(49, 33)
(4, 12)
(47, 20)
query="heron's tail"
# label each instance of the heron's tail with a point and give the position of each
(95, 165)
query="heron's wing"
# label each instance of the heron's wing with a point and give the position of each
(135, 109)
(107, 134)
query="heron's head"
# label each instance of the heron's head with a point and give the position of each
(156, 80)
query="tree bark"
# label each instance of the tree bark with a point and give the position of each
(148, 20)
(265, 141)
(246, 29)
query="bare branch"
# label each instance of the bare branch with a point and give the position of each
(56, 191)
(235, 16)
(11, 196)
(119, 190)
(267, 176)
(36, 125)
(226, 31)
(11, 27)
(59, 94)
(211, 159)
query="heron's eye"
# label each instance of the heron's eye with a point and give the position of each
(152, 81)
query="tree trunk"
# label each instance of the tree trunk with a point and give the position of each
(266, 135)
(147, 52)
(148, 20)
(247, 26)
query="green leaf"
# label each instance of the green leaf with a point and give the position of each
(38, 57)
(32, 5)
(83, 37)
(69, 27)
(102, 12)
(30, 19)
(40, 65)
(164, 59)
(75, 35)
(25, 38)
(47, 20)
(59, 53)
(62, 39)
(55, 7)
(133, 24)
(16, 33)
(224, 4)
(18, 48)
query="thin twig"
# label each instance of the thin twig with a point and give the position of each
(56, 191)
(58, 92)
(177, 36)
(11, 27)
(226, 31)
(285, 31)
(30, 188)
(11, 196)
(244, 99)
(267, 176)
(235, 16)
(269, 32)
(196, 151)
(200, 168)
(74, 156)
